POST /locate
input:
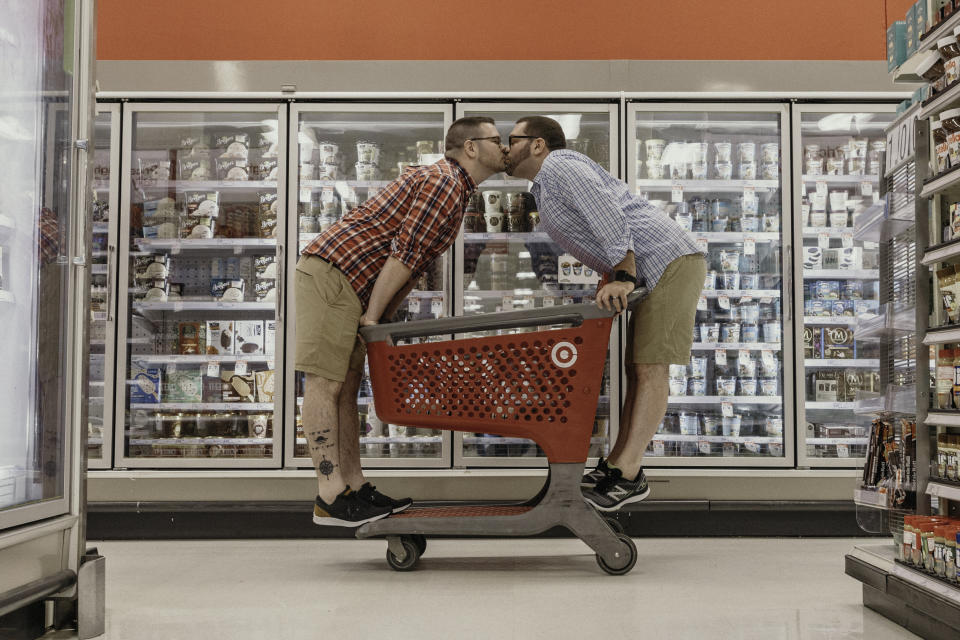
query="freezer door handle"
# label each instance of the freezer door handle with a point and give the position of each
(788, 285)
(111, 254)
(281, 273)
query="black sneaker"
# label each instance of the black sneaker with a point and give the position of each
(347, 510)
(614, 491)
(369, 494)
(591, 479)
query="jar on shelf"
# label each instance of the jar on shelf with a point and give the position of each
(950, 52)
(933, 71)
(941, 146)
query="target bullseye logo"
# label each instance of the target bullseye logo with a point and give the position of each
(564, 355)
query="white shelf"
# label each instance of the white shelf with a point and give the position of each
(708, 186)
(823, 441)
(673, 437)
(741, 293)
(842, 274)
(200, 359)
(948, 181)
(943, 418)
(526, 293)
(522, 236)
(946, 491)
(353, 184)
(200, 441)
(202, 305)
(508, 183)
(400, 440)
(829, 406)
(174, 245)
(841, 180)
(942, 335)
(833, 232)
(871, 498)
(721, 399)
(941, 253)
(360, 401)
(736, 236)
(833, 321)
(815, 363)
(204, 406)
(942, 102)
(207, 185)
(736, 346)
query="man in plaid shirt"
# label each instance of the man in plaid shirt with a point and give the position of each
(594, 217)
(357, 273)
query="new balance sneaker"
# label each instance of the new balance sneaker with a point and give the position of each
(591, 479)
(614, 491)
(369, 494)
(347, 510)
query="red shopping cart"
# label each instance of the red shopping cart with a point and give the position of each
(542, 385)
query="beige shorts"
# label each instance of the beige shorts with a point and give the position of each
(660, 330)
(328, 316)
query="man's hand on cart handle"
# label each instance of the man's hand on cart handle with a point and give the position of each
(364, 322)
(613, 296)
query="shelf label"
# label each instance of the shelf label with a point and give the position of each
(720, 355)
(240, 368)
(866, 188)
(749, 245)
(724, 301)
(677, 192)
(701, 303)
(506, 303)
(900, 142)
(726, 409)
(305, 194)
(847, 239)
(702, 243)
(213, 369)
(413, 305)
(822, 188)
(823, 240)
(436, 307)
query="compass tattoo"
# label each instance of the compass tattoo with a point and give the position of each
(326, 467)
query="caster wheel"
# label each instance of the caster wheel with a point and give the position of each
(410, 561)
(421, 541)
(614, 524)
(632, 550)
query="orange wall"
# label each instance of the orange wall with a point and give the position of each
(495, 29)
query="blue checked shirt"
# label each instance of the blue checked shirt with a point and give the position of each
(595, 218)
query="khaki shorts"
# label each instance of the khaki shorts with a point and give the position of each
(328, 316)
(660, 330)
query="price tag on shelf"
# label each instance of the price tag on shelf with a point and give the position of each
(746, 299)
(436, 307)
(213, 369)
(726, 409)
(766, 300)
(724, 301)
(702, 243)
(676, 192)
(305, 194)
(749, 245)
(506, 303)
(658, 448)
(240, 368)
(701, 303)
(822, 188)
(823, 240)
(413, 305)
(567, 300)
(866, 188)
(704, 447)
(720, 356)
(847, 240)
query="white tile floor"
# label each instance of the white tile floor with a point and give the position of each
(763, 589)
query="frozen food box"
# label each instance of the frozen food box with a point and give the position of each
(265, 385)
(838, 343)
(266, 290)
(827, 289)
(234, 145)
(184, 386)
(197, 228)
(812, 342)
(146, 383)
(227, 289)
(152, 267)
(220, 337)
(267, 218)
(265, 266)
(866, 306)
(233, 169)
(844, 308)
(817, 308)
(194, 168)
(190, 337)
(269, 336)
(237, 388)
(202, 204)
(249, 338)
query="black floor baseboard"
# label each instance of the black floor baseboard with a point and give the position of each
(245, 520)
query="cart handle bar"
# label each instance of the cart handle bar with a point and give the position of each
(573, 314)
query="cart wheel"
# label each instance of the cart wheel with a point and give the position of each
(625, 539)
(614, 524)
(421, 541)
(410, 561)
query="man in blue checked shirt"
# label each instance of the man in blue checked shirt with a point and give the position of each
(595, 218)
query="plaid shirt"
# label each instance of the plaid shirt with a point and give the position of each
(594, 217)
(414, 219)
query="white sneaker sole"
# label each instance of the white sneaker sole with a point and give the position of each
(634, 498)
(403, 508)
(327, 521)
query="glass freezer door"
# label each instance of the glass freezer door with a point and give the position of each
(838, 161)
(344, 155)
(106, 169)
(717, 170)
(203, 220)
(36, 184)
(506, 264)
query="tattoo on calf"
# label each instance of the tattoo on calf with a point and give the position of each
(326, 467)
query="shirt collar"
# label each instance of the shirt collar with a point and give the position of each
(471, 185)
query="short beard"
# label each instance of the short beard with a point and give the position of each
(513, 164)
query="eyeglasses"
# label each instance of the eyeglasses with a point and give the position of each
(496, 139)
(513, 139)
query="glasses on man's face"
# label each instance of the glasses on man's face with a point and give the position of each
(496, 139)
(513, 139)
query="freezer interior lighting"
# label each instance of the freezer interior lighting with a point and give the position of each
(570, 123)
(523, 254)
(852, 122)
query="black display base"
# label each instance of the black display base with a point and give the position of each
(255, 520)
(26, 623)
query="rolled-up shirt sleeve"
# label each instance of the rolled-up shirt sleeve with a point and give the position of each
(581, 190)
(421, 227)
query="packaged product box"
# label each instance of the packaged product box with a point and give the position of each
(846, 308)
(249, 337)
(896, 44)
(826, 387)
(267, 218)
(190, 338)
(265, 266)
(238, 220)
(233, 169)
(212, 389)
(838, 343)
(267, 170)
(197, 228)
(234, 144)
(265, 385)
(159, 219)
(151, 291)
(812, 342)
(227, 289)
(202, 204)
(146, 385)
(911, 30)
(258, 425)
(152, 267)
(237, 388)
(269, 337)
(862, 307)
(826, 289)
(220, 337)
(184, 386)
(266, 290)
(921, 18)
(194, 168)
(817, 308)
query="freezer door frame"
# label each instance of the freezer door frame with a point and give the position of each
(797, 109)
(781, 108)
(613, 107)
(110, 333)
(121, 460)
(290, 398)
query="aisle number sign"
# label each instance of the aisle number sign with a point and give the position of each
(901, 142)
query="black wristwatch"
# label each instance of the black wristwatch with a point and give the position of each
(624, 276)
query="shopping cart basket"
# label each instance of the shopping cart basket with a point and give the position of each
(542, 385)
